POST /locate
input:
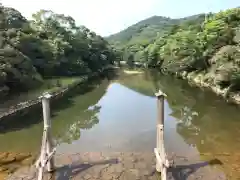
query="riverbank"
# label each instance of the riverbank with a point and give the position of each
(55, 92)
(198, 80)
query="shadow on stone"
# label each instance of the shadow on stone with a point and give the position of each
(182, 172)
(67, 172)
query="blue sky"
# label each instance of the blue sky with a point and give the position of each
(106, 17)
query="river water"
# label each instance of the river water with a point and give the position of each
(120, 115)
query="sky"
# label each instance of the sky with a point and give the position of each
(107, 17)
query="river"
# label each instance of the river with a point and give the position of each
(120, 115)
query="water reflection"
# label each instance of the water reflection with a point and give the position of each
(69, 114)
(88, 119)
(204, 120)
(120, 115)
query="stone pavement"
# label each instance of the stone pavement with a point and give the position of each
(120, 166)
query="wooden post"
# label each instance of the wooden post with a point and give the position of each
(161, 160)
(47, 128)
(47, 151)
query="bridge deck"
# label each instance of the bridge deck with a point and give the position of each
(119, 166)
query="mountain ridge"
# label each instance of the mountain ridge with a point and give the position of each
(148, 28)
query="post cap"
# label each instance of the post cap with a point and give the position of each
(46, 95)
(160, 93)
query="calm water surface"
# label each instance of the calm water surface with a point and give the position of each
(120, 115)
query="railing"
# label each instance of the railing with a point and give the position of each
(47, 151)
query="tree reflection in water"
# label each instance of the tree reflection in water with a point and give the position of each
(203, 119)
(88, 119)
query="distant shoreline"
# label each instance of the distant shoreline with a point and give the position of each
(132, 71)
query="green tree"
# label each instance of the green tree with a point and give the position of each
(51, 44)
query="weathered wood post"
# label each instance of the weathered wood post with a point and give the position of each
(161, 160)
(47, 151)
(47, 128)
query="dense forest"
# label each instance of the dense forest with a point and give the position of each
(204, 46)
(48, 45)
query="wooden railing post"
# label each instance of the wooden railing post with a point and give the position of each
(47, 151)
(47, 128)
(161, 160)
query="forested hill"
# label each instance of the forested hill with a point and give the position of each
(145, 31)
(204, 47)
(147, 28)
(49, 45)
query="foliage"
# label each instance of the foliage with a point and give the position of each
(49, 45)
(208, 44)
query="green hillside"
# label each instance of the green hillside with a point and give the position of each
(144, 32)
(206, 47)
(146, 29)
